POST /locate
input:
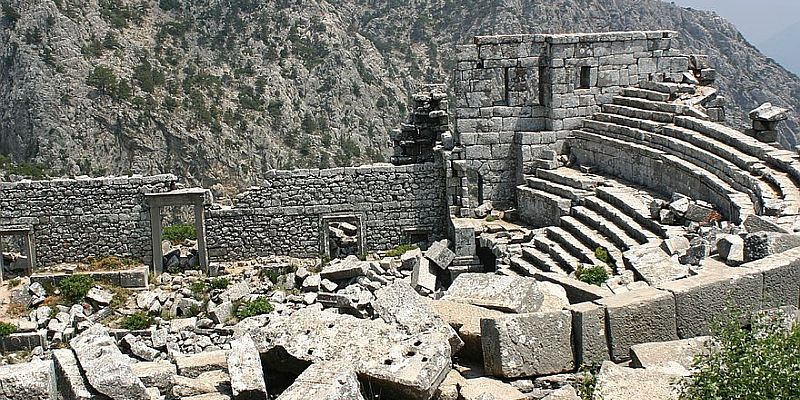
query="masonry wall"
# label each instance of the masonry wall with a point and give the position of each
(518, 96)
(285, 215)
(78, 218)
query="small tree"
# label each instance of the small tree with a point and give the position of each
(10, 13)
(103, 79)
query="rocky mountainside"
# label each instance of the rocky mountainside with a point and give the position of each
(218, 91)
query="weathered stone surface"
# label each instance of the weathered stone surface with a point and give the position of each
(423, 277)
(409, 259)
(394, 361)
(667, 354)
(209, 382)
(615, 382)
(702, 299)
(100, 296)
(156, 374)
(564, 393)
(350, 267)
(768, 112)
(504, 293)
(69, 379)
(440, 254)
(731, 249)
(399, 304)
(756, 223)
(589, 333)
(528, 344)
(764, 244)
(554, 297)
(107, 369)
(489, 389)
(35, 380)
(654, 265)
(781, 274)
(222, 312)
(195, 364)
(325, 381)
(639, 316)
(466, 320)
(244, 368)
(675, 245)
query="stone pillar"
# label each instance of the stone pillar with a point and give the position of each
(200, 227)
(155, 229)
(30, 246)
(765, 122)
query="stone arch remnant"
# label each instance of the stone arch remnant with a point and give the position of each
(196, 197)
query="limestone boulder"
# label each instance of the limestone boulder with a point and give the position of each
(440, 254)
(504, 293)
(616, 382)
(244, 368)
(35, 380)
(325, 381)
(764, 244)
(350, 267)
(668, 354)
(489, 389)
(466, 320)
(424, 275)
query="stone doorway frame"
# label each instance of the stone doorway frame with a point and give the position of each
(26, 231)
(196, 197)
(355, 219)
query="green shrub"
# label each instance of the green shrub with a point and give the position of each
(137, 321)
(400, 250)
(75, 287)
(594, 275)
(220, 283)
(762, 362)
(199, 287)
(103, 79)
(180, 232)
(107, 263)
(10, 13)
(7, 329)
(601, 253)
(252, 308)
(12, 283)
(491, 218)
(274, 274)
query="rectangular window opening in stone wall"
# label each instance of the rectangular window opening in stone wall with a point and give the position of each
(342, 236)
(475, 187)
(20, 260)
(417, 236)
(542, 82)
(179, 242)
(585, 77)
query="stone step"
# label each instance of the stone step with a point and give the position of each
(626, 200)
(637, 113)
(636, 123)
(648, 104)
(539, 208)
(557, 189)
(523, 267)
(541, 260)
(592, 238)
(570, 177)
(610, 230)
(619, 218)
(672, 89)
(571, 244)
(645, 94)
(566, 261)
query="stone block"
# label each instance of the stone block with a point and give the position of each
(756, 223)
(563, 393)
(440, 254)
(156, 374)
(763, 244)
(731, 249)
(503, 293)
(423, 277)
(711, 296)
(466, 320)
(489, 389)
(667, 354)
(616, 382)
(193, 365)
(325, 381)
(35, 380)
(528, 344)
(350, 267)
(69, 379)
(639, 316)
(589, 333)
(245, 371)
(781, 278)
(133, 278)
(464, 241)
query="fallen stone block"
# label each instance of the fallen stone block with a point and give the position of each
(466, 320)
(675, 245)
(69, 378)
(209, 382)
(350, 267)
(615, 382)
(35, 380)
(503, 293)
(731, 249)
(489, 389)
(193, 365)
(653, 265)
(764, 244)
(524, 345)
(564, 393)
(325, 381)
(208, 396)
(702, 299)
(107, 370)
(554, 297)
(244, 368)
(100, 296)
(423, 277)
(589, 333)
(639, 316)
(667, 354)
(755, 223)
(399, 304)
(409, 259)
(440, 254)
(156, 374)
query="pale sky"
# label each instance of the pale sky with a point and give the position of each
(758, 20)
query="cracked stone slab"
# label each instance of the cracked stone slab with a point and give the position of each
(504, 293)
(325, 381)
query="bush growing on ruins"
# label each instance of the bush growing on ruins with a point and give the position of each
(400, 250)
(179, 233)
(107, 263)
(759, 362)
(7, 329)
(594, 275)
(12, 283)
(199, 288)
(75, 287)
(137, 321)
(491, 218)
(249, 309)
(220, 283)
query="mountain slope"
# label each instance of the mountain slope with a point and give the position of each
(219, 91)
(784, 47)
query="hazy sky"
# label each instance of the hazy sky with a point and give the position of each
(758, 20)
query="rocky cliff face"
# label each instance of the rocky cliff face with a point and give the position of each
(217, 92)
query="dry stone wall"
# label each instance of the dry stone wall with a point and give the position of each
(77, 218)
(517, 96)
(288, 214)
